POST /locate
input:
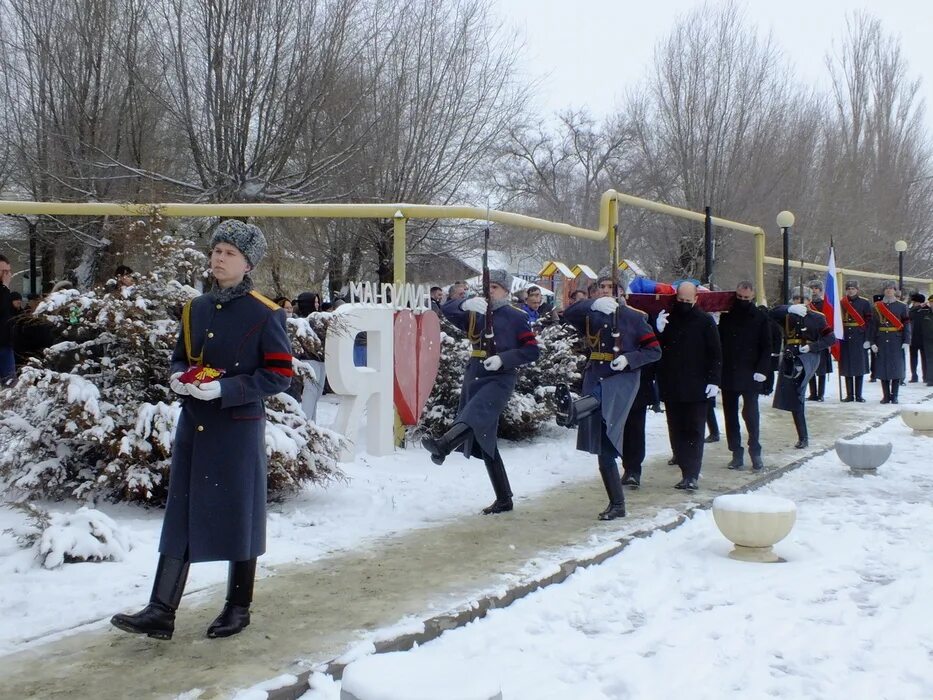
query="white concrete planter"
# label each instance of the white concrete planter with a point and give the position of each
(863, 457)
(919, 417)
(405, 676)
(754, 524)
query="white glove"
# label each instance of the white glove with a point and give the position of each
(798, 309)
(492, 364)
(661, 323)
(758, 377)
(712, 391)
(905, 346)
(605, 305)
(205, 392)
(177, 386)
(619, 363)
(866, 345)
(804, 349)
(874, 348)
(477, 304)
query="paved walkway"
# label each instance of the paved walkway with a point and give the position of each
(308, 615)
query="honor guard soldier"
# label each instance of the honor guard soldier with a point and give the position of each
(620, 342)
(890, 337)
(818, 382)
(806, 334)
(857, 319)
(489, 380)
(232, 352)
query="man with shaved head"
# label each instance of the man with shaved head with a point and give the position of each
(688, 376)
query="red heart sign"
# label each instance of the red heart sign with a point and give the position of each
(417, 356)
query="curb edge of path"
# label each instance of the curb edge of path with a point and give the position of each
(435, 626)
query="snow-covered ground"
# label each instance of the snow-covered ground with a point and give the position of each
(849, 615)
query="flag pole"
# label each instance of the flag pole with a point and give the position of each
(838, 299)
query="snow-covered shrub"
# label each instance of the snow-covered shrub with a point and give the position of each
(65, 538)
(94, 417)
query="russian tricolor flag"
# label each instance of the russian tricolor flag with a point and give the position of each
(832, 309)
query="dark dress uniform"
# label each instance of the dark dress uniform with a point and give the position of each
(924, 329)
(853, 355)
(917, 354)
(216, 507)
(818, 381)
(745, 335)
(798, 368)
(484, 394)
(691, 360)
(889, 332)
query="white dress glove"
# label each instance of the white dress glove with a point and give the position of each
(619, 363)
(605, 305)
(905, 346)
(804, 349)
(712, 391)
(661, 323)
(477, 304)
(758, 377)
(798, 309)
(177, 386)
(205, 392)
(874, 348)
(866, 345)
(492, 364)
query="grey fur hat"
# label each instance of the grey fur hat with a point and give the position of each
(815, 284)
(852, 284)
(889, 284)
(502, 278)
(247, 238)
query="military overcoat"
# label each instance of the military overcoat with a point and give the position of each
(857, 319)
(890, 330)
(601, 432)
(216, 507)
(484, 394)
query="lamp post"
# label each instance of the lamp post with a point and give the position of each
(784, 221)
(900, 247)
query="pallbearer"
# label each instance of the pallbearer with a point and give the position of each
(890, 338)
(856, 325)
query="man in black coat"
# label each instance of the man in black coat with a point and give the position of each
(232, 352)
(7, 358)
(853, 350)
(924, 329)
(916, 341)
(689, 374)
(746, 359)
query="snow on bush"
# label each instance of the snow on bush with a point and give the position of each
(94, 416)
(65, 538)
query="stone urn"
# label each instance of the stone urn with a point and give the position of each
(754, 524)
(918, 417)
(408, 676)
(863, 457)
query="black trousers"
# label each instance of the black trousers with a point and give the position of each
(712, 425)
(686, 421)
(633, 439)
(730, 409)
(918, 354)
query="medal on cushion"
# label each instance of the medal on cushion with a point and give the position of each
(200, 375)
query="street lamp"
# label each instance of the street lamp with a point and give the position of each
(784, 221)
(900, 247)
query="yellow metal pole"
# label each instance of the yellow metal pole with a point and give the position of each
(760, 266)
(398, 246)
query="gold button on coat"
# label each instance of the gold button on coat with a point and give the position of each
(200, 428)
(210, 335)
(220, 306)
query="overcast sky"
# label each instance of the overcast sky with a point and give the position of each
(590, 50)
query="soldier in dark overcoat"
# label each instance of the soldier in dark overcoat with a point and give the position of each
(806, 334)
(917, 354)
(488, 382)
(689, 374)
(924, 329)
(216, 508)
(818, 381)
(619, 342)
(853, 350)
(745, 335)
(890, 338)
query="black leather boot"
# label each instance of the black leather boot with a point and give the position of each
(446, 443)
(738, 459)
(757, 463)
(821, 387)
(234, 618)
(859, 383)
(850, 392)
(609, 471)
(500, 485)
(570, 412)
(895, 387)
(885, 391)
(157, 620)
(800, 422)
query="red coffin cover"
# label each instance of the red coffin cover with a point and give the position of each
(651, 304)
